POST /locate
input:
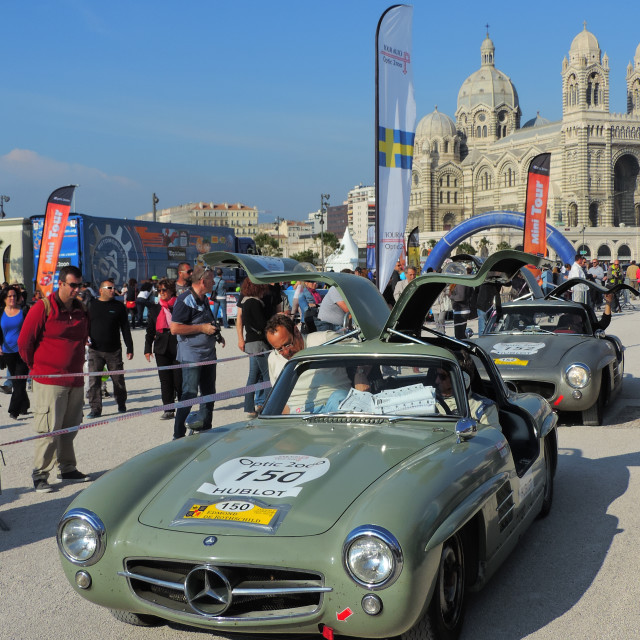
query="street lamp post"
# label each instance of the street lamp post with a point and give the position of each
(324, 203)
(155, 201)
(276, 226)
(3, 199)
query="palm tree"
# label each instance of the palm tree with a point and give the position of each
(268, 245)
(484, 243)
(466, 247)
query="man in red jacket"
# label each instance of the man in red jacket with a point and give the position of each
(52, 341)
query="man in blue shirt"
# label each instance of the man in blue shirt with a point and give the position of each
(193, 322)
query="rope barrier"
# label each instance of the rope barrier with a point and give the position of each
(146, 370)
(223, 395)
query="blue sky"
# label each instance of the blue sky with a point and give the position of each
(265, 103)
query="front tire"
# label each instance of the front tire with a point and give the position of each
(547, 496)
(136, 619)
(594, 415)
(445, 614)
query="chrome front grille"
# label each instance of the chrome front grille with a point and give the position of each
(221, 592)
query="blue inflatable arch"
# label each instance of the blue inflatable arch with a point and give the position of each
(512, 219)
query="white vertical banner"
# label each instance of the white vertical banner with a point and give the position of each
(395, 131)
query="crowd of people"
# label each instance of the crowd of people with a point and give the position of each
(55, 340)
(77, 328)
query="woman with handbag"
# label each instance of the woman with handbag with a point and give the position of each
(164, 345)
(254, 318)
(10, 325)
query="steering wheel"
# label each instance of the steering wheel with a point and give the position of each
(445, 407)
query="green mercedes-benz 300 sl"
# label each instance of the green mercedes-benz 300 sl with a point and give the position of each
(390, 471)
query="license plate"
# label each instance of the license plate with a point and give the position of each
(233, 511)
(513, 362)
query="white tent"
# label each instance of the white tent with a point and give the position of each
(345, 256)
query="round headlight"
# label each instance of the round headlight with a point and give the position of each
(81, 537)
(372, 557)
(578, 375)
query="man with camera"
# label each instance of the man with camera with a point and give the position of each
(193, 322)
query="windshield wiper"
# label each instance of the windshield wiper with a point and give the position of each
(534, 328)
(430, 416)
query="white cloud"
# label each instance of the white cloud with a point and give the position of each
(28, 178)
(24, 164)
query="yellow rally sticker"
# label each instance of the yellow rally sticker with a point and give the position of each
(515, 362)
(233, 510)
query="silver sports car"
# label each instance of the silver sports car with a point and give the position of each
(557, 348)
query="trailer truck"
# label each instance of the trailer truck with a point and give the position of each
(123, 249)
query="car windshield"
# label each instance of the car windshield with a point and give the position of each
(379, 385)
(539, 319)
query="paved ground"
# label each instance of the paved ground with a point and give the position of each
(574, 574)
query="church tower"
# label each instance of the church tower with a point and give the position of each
(633, 85)
(585, 76)
(488, 106)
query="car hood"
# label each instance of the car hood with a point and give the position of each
(530, 351)
(310, 478)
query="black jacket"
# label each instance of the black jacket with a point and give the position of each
(163, 343)
(107, 320)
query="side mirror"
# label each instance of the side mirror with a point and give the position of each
(194, 421)
(466, 428)
(599, 333)
(468, 333)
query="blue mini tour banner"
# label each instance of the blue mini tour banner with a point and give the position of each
(395, 131)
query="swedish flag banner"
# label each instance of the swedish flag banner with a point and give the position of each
(395, 131)
(395, 148)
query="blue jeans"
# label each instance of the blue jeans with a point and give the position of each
(482, 321)
(222, 305)
(332, 404)
(323, 325)
(258, 372)
(192, 378)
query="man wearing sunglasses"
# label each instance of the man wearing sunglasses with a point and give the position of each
(108, 319)
(317, 391)
(52, 341)
(183, 281)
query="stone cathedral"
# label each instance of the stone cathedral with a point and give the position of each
(479, 161)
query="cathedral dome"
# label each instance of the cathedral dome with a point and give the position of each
(585, 45)
(584, 42)
(436, 125)
(487, 85)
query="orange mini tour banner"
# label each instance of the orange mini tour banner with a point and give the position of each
(55, 222)
(535, 212)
